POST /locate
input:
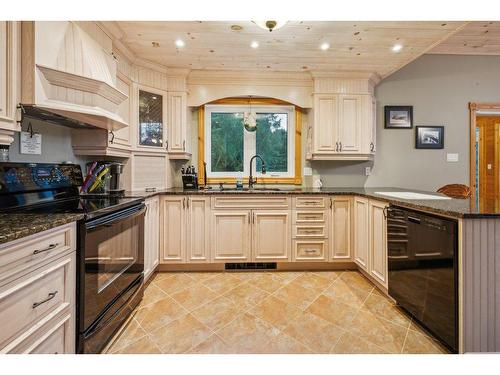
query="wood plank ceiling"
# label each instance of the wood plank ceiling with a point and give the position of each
(354, 46)
(476, 38)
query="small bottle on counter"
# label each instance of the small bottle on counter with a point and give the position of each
(239, 181)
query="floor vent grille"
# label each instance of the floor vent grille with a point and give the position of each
(250, 266)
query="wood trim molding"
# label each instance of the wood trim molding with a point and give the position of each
(296, 180)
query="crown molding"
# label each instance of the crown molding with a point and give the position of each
(258, 78)
(374, 78)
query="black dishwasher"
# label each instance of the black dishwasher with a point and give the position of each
(423, 270)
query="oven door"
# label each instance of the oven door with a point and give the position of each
(112, 258)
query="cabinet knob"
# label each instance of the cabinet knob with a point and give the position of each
(340, 146)
(184, 145)
(372, 147)
(336, 146)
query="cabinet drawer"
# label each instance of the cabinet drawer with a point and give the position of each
(250, 202)
(29, 300)
(309, 217)
(310, 250)
(18, 257)
(310, 202)
(309, 231)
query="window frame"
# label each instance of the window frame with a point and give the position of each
(259, 105)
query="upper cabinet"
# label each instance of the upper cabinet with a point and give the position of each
(9, 79)
(343, 119)
(68, 69)
(151, 126)
(178, 134)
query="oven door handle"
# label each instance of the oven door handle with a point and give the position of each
(111, 219)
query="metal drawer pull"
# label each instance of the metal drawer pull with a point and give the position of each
(310, 202)
(313, 231)
(310, 217)
(310, 250)
(51, 295)
(50, 247)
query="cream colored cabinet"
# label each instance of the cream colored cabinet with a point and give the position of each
(177, 126)
(341, 228)
(151, 111)
(361, 232)
(151, 236)
(325, 137)
(231, 235)
(271, 236)
(38, 291)
(173, 229)
(378, 242)
(9, 79)
(184, 229)
(350, 122)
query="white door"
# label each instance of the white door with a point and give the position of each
(151, 236)
(341, 228)
(271, 235)
(173, 226)
(325, 123)
(177, 116)
(350, 120)
(231, 235)
(378, 242)
(123, 137)
(361, 232)
(198, 229)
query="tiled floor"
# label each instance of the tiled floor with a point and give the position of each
(269, 312)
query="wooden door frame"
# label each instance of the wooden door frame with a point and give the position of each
(474, 108)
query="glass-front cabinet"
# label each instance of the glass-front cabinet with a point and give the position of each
(151, 125)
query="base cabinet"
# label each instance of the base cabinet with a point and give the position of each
(361, 232)
(271, 236)
(341, 228)
(151, 236)
(198, 229)
(231, 236)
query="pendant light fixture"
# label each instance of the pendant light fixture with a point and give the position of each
(270, 25)
(249, 121)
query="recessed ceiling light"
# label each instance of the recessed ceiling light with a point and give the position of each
(180, 43)
(324, 46)
(254, 44)
(397, 48)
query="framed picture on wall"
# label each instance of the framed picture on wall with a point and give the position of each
(429, 137)
(398, 116)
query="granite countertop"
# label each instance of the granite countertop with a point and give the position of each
(19, 225)
(459, 208)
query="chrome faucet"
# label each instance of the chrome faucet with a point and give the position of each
(251, 179)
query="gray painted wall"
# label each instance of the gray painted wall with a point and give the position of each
(439, 87)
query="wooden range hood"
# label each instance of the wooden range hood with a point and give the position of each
(68, 69)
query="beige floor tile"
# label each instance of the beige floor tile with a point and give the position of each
(246, 295)
(212, 345)
(276, 312)
(244, 276)
(312, 281)
(356, 279)
(270, 282)
(417, 343)
(288, 275)
(159, 313)
(346, 293)
(194, 296)
(141, 346)
(248, 334)
(297, 295)
(202, 276)
(152, 294)
(180, 335)
(163, 275)
(353, 344)
(284, 344)
(175, 283)
(335, 312)
(217, 313)
(131, 333)
(381, 332)
(330, 275)
(314, 332)
(384, 308)
(222, 283)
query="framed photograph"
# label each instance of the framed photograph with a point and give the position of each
(398, 117)
(429, 137)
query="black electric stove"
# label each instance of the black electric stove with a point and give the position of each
(110, 252)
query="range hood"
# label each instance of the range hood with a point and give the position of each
(70, 75)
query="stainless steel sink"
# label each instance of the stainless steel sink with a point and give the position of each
(244, 190)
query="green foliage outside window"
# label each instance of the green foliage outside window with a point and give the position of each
(272, 141)
(227, 142)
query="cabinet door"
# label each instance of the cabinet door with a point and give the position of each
(378, 242)
(350, 120)
(9, 48)
(177, 116)
(123, 137)
(325, 123)
(151, 236)
(341, 228)
(150, 131)
(198, 229)
(172, 224)
(231, 235)
(271, 235)
(361, 232)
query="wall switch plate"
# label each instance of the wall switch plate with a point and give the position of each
(368, 171)
(308, 171)
(452, 157)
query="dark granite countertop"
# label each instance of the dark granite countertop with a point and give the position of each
(459, 208)
(19, 225)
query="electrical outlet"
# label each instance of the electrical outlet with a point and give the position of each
(452, 158)
(368, 171)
